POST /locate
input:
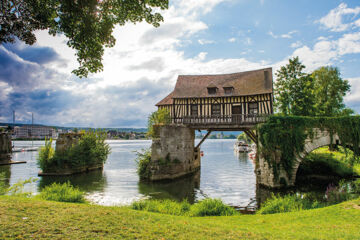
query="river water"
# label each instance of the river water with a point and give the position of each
(224, 174)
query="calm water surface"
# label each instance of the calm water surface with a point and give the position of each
(223, 174)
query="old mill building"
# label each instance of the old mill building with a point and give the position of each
(221, 102)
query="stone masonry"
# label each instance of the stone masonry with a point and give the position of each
(5, 147)
(265, 174)
(173, 153)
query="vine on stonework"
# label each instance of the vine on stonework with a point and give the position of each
(285, 136)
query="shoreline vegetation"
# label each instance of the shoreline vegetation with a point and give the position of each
(34, 218)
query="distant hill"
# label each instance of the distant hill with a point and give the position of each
(79, 128)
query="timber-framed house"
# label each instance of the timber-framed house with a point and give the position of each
(226, 101)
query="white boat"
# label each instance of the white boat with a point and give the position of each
(241, 146)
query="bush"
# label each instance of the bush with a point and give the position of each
(211, 207)
(207, 207)
(62, 193)
(46, 155)
(288, 203)
(162, 206)
(142, 161)
(90, 150)
(161, 116)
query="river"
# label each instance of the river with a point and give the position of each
(224, 174)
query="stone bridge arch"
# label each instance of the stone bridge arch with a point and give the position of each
(265, 174)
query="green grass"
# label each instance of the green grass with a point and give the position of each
(206, 207)
(35, 219)
(288, 203)
(62, 193)
(324, 161)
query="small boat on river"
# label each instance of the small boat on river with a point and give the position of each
(241, 146)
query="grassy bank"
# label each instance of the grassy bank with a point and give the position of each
(31, 218)
(322, 161)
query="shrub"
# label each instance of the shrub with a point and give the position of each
(288, 203)
(211, 207)
(46, 155)
(162, 206)
(207, 207)
(90, 150)
(62, 193)
(142, 161)
(161, 116)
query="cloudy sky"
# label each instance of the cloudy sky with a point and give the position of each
(197, 37)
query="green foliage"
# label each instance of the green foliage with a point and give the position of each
(329, 91)
(88, 25)
(324, 161)
(206, 207)
(90, 150)
(211, 207)
(46, 155)
(62, 193)
(17, 189)
(162, 206)
(288, 203)
(160, 117)
(142, 161)
(294, 90)
(286, 135)
(320, 93)
(243, 137)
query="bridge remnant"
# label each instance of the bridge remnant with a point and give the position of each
(5, 147)
(266, 175)
(173, 153)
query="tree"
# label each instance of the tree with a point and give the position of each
(88, 24)
(244, 137)
(294, 90)
(329, 90)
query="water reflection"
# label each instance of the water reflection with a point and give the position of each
(5, 174)
(180, 189)
(88, 182)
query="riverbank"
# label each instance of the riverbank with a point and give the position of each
(30, 218)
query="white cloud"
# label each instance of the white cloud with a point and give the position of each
(232, 40)
(285, 35)
(204, 41)
(296, 44)
(334, 20)
(349, 43)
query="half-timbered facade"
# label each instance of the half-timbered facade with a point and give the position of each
(227, 100)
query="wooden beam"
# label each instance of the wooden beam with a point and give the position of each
(251, 135)
(202, 140)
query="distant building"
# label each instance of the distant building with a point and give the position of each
(38, 132)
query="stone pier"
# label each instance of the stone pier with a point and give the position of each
(173, 154)
(5, 147)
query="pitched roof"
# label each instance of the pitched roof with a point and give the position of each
(244, 83)
(167, 100)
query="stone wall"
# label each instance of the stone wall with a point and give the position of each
(66, 140)
(265, 174)
(173, 153)
(5, 147)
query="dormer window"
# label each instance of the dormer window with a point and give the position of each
(228, 90)
(212, 90)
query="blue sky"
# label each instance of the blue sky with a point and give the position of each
(197, 37)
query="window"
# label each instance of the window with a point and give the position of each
(194, 110)
(212, 90)
(228, 90)
(253, 108)
(216, 109)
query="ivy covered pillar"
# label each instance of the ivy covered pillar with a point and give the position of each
(5, 147)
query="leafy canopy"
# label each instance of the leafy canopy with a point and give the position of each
(88, 24)
(320, 93)
(294, 90)
(159, 117)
